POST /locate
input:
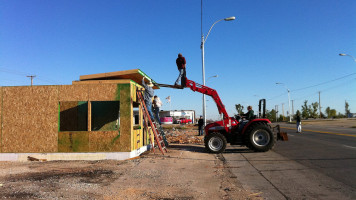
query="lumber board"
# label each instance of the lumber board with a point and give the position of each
(0, 119)
(89, 116)
(170, 86)
(30, 120)
(89, 82)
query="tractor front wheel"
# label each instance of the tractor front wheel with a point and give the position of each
(215, 143)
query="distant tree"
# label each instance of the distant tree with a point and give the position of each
(314, 110)
(347, 110)
(281, 118)
(340, 115)
(322, 115)
(239, 108)
(295, 116)
(305, 110)
(271, 115)
(331, 113)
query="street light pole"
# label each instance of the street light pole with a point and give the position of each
(342, 54)
(203, 40)
(289, 114)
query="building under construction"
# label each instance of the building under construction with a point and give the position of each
(92, 119)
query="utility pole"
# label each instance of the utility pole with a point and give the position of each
(319, 106)
(276, 113)
(32, 77)
(292, 108)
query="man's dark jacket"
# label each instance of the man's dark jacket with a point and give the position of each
(181, 62)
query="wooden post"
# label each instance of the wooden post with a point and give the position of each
(89, 115)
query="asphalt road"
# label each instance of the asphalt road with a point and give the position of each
(319, 163)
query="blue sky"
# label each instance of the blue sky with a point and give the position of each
(293, 42)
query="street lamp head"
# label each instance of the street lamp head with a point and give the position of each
(342, 54)
(230, 18)
(279, 83)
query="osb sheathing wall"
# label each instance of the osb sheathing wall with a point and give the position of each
(94, 141)
(30, 119)
(126, 112)
(0, 119)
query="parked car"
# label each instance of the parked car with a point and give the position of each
(185, 121)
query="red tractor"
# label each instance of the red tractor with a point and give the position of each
(256, 134)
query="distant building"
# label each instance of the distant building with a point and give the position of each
(177, 114)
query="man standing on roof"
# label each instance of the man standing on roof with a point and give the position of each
(147, 96)
(181, 62)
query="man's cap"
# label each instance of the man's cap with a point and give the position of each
(150, 84)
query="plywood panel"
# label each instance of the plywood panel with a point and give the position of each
(102, 92)
(73, 92)
(126, 115)
(30, 119)
(107, 141)
(73, 141)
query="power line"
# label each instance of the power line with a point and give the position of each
(323, 82)
(311, 87)
(20, 73)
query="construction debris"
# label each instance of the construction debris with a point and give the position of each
(35, 159)
(185, 136)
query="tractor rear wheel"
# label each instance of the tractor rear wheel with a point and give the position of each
(215, 142)
(259, 137)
